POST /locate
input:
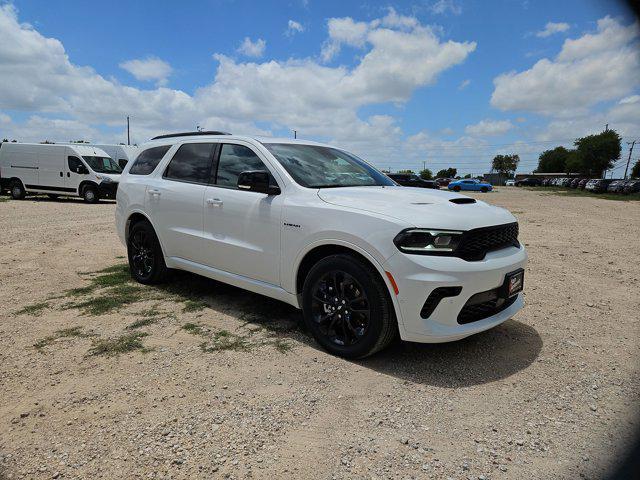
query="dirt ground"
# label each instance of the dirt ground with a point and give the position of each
(100, 378)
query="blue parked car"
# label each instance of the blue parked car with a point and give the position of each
(470, 184)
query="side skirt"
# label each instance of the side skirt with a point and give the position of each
(256, 286)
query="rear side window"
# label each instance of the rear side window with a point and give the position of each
(148, 160)
(235, 159)
(191, 163)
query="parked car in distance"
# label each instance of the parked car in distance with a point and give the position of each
(528, 182)
(583, 183)
(58, 170)
(319, 228)
(411, 180)
(631, 186)
(616, 186)
(470, 184)
(510, 183)
(443, 182)
(573, 183)
(598, 185)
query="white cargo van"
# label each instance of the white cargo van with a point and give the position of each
(122, 154)
(70, 170)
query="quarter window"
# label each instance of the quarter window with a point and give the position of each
(235, 159)
(148, 160)
(191, 163)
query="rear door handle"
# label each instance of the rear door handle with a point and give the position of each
(153, 192)
(214, 202)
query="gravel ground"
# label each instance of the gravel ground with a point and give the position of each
(215, 382)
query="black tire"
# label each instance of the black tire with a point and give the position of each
(146, 260)
(90, 194)
(17, 190)
(359, 287)
(456, 188)
(484, 189)
(53, 196)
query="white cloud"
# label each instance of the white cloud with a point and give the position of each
(293, 27)
(464, 84)
(446, 6)
(150, 68)
(552, 27)
(343, 31)
(399, 56)
(593, 68)
(489, 128)
(252, 49)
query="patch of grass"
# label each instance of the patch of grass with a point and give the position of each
(110, 300)
(282, 345)
(35, 309)
(194, 305)
(118, 345)
(225, 340)
(64, 333)
(143, 322)
(576, 192)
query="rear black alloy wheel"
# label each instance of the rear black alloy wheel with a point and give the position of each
(146, 261)
(340, 308)
(347, 307)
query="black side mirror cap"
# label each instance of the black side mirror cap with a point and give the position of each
(257, 181)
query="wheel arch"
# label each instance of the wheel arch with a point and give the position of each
(134, 218)
(84, 184)
(307, 259)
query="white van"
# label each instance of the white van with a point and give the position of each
(70, 170)
(122, 154)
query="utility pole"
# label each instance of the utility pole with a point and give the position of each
(128, 135)
(629, 159)
(606, 127)
(295, 134)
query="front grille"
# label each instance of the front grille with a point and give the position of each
(484, 305)
(475, 244)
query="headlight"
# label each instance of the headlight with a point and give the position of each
(104, 178)
(428, 241)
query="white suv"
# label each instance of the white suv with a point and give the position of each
(319, 228)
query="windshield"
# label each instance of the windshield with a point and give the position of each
(102, 164)
(324, 167)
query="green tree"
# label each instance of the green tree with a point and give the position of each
(405, 171)
(635, 171)
(553, 161)
(447, 173)
(505, 164)
(468, 175)
(575, 163)
(426, 174)
(599, 152)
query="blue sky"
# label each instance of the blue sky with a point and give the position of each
(445, 82)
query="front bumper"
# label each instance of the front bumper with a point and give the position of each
(108, 190)
(418, 275)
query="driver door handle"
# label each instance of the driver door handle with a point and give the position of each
(153, 192)
(214, 202)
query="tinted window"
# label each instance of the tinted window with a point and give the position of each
(235, 159)
(74, 163)
(324, 167)
(191, 163)
(148, 160)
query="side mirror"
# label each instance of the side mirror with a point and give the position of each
(256, 181)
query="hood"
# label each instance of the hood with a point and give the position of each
(419, 207)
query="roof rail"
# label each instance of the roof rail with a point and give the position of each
(190, 134)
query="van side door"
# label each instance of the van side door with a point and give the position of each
(51, 169)
(75, 171)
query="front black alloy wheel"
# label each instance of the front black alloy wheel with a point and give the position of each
(340, 308)
(347, 307)
(146, 261)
